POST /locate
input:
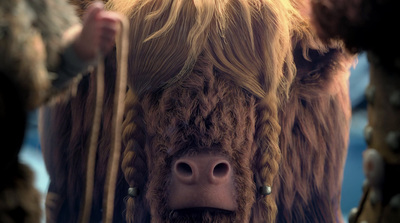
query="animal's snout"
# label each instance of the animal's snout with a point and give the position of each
(202, 170)
(202, 181)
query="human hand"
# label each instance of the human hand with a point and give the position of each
(98, 33)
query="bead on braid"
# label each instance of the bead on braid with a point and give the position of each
(133, 163)
(267, 139)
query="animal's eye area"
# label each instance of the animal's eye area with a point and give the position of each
(314, 73)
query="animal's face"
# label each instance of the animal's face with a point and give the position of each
(199, 148)
(208, 107)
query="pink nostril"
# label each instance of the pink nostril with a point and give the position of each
(221, 170)
(220, 173)
(183, 169)
(185, 172)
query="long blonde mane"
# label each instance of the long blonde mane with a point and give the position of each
(249, 41)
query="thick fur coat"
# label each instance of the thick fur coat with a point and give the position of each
(244, 79)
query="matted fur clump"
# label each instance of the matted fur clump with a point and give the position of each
(219, 77)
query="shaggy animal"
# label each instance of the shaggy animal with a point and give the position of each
(235, 112)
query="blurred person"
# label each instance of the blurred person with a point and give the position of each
(43, 48)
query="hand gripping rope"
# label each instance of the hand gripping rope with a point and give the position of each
(122, 43)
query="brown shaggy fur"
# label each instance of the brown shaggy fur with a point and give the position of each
(195, 85)
(313, 141)
(204, 113)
